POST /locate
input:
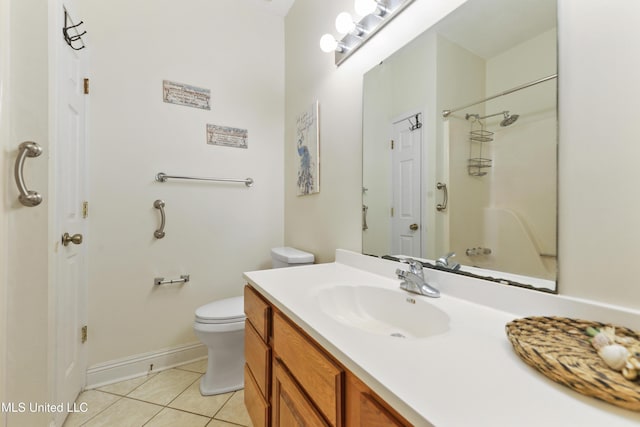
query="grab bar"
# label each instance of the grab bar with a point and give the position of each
(159, 233)
(365, 210)
(27, 197)
(163, 177)
(184, 278)
(443, 206)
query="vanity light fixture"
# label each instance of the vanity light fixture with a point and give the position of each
(375, 15)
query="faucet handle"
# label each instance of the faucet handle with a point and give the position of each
(415, 266)
(402, 274)
(443, 261)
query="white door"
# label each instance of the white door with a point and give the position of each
(406, 169)
(70, 196)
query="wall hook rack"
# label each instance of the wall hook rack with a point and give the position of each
(417, 125)
(71, 39)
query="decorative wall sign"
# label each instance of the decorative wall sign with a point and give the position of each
(227, 136)
(307, 147)
(182, 94)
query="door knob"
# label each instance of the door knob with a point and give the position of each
(413, 227)
(76, 239)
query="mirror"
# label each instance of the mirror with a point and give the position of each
(480, 182)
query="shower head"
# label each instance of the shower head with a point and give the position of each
(508, 119)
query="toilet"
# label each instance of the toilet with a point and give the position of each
(220, 326)
(290, 257)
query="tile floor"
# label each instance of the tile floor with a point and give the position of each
(169, 398)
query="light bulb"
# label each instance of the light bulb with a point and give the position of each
(365, 7)
(328, 43)
(344, 23)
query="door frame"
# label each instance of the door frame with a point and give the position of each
(4, 173)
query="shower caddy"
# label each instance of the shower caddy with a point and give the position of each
(478, 135)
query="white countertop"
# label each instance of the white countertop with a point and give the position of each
(468, 375)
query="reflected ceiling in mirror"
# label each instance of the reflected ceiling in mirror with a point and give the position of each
(481, 182)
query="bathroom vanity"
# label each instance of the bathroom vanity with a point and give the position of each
(340, 344)
(308, 383)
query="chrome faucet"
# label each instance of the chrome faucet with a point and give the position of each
(413, 280)
(443, 262)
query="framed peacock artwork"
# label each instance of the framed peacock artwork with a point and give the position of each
(308, 151)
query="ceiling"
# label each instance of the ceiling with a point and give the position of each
(277, 7)
(473, 25)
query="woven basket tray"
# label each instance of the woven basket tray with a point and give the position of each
(559, 348)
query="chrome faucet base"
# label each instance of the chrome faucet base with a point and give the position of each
(444, 262)
(413, 280)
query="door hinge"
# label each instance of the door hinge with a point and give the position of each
(392, 144)
(85, 209)
(83, 334)
(86, 86)
(392, 212)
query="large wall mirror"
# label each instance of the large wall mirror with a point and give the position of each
(481, 181)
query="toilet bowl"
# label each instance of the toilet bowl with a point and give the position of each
(220, 326)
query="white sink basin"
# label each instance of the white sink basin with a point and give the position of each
(381, 311)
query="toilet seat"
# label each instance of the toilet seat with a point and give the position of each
(229, 310)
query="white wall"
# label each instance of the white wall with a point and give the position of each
(599, 204)
(24, 99)
(377, 100)
(214, 231)
(599, 207)
(4, 173)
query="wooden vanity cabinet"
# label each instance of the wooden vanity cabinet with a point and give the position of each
(290, 380)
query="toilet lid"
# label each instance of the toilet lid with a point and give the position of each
(227, 310)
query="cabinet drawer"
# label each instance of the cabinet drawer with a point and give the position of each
(257, 311)
(257, 406)
(258, 357)
(318, 375)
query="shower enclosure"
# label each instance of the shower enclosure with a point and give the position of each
(495, 159)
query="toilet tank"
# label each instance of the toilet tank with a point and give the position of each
(290, 257)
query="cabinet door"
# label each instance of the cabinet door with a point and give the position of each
(291, 408)
(364, 409)
(373, 414)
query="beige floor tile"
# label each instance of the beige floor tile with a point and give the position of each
(198, 366)
(123, 388)
(234, 410)
(125, 413)
(94, 401)
(165, 386)
(173, 418)
(191, 400)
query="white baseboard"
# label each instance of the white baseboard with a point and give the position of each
(141, 364)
